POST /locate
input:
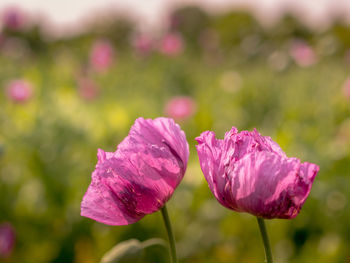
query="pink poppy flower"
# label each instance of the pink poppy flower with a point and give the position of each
(303, 54)
(13, 18)
(102, 55)
(171, 45)
(87, 88)
(7, 239)
(19, 90)
(180, 108)
(140, 176)
(250, 173)
(142, 44)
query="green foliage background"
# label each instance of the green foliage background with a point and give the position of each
(48, 146)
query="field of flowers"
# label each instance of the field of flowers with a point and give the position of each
(63, 99)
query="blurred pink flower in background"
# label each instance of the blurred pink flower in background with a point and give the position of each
(13, 18)
(250, 173)
(140, 176)
(171, 44)
(180, 108)
(19, 90)
(102, 55)
(303, 54)
(143, 44)
(346, 88)
(7, 239)
(87, 88)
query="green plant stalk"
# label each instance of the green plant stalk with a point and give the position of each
(173, 258)
(265, 239)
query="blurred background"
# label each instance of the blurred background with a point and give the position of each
(74, 75)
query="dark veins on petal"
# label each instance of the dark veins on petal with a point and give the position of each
(176, 155)
(126, 201)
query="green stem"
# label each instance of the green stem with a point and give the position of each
(173, 258)
(265, 239)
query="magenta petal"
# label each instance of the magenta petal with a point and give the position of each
(102, 204)
(270, 186)
(237, 145)
(307, 174)
(141, 176)
(163, 132)
(210, 152)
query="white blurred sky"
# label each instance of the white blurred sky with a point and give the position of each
(68, 15)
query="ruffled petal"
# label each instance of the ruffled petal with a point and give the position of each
(210, 152)
(306, 176)
(237, 145)
(270, 186)
(160, 145)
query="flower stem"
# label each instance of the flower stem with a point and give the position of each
(265, 239)
(173, 258)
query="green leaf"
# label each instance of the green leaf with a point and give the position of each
(130, 251)
(154, 242)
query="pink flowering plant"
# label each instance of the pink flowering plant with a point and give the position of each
(180, 107)
(19, 90)
(140, 176)
(246, 172)
(102, 55)
(303, 54)
(13, 18)
(171, 45)
(250, 173)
